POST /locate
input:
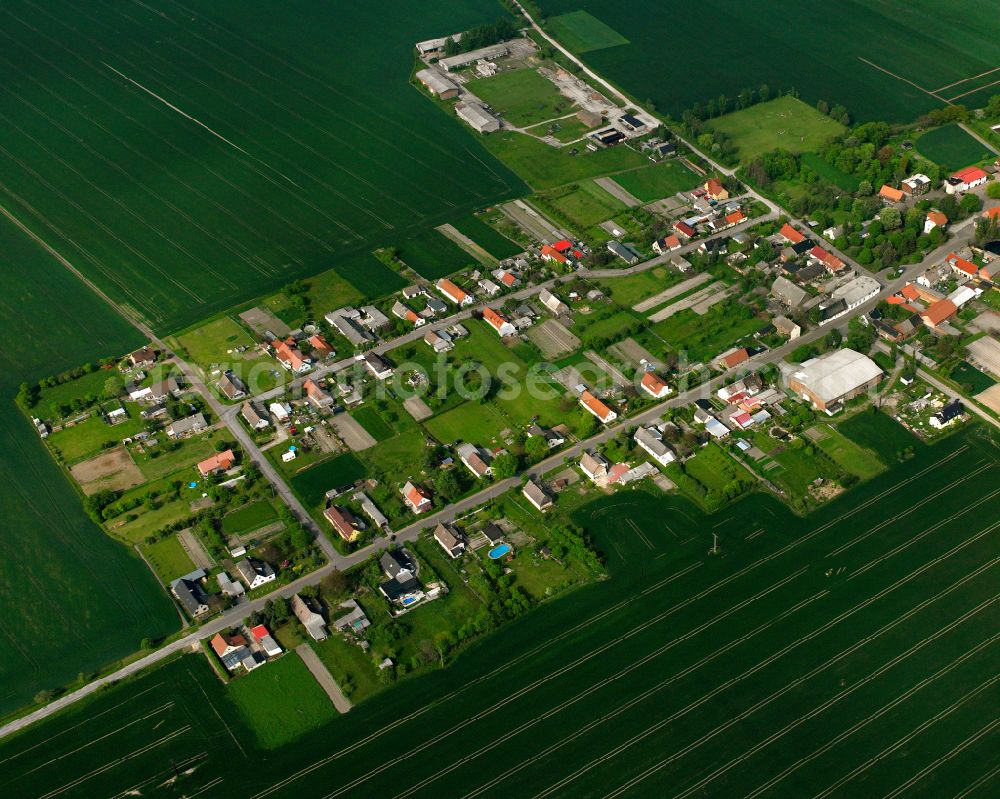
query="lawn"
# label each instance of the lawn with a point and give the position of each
(785, 123)
(168, 558)
(281, 701)
(90, 385)
(602, 325)
(566, 130)
(829, 172)
(544, 167)
(214, 343)
(658, 181)
(432, 255)
(350, 666)
(186, 455)
(370, 419)
(581, 205)
(951, 147)
(273, 160)
(249, 518)
(627, 291)
(971, 378)
(484, 346)
(521, 96)
(88, 438)
(472, 421)
(850, 456)
(496, 244)
(713, 468)
(150, 521)
(314, 482)
(704, 337)
(582, 32)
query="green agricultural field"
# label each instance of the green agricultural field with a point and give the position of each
(951, 147)
(790, 663)
(656, 182)
(249, 518)
(368, 417)
(314, 482)
(785, 123)
(848, 455)
(432, 255)
(582, 32)
(880, 433)
(544, 167)
(168, 558)
(203, 164)
(281, 701)
(60, 619)
(521, 96)
(370, 276)
(495, 243)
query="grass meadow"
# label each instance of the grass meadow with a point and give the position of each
(521, 96)
(951, 147)
(922, 41)
(72, 599)
(785, 122)
(313, 483)
(796, 661)
(249, 518)
(658, 181)
(185, 163)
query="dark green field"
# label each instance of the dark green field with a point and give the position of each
(313, 483)
(72, 600)
(432, 255)
(496, 244)
(805, 659)
(951, 147)
(814, 47)
(188, 155)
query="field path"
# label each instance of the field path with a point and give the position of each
(670, 293)
(618, 191)
(192, 546)
(468, 245)
(979, 138)
(323, 677)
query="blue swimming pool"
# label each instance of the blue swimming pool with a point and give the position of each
(409, 600)
(499, 551)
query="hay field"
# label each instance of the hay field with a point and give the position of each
(185, 160)
(72, 599)
(798, 662)
(916, 54)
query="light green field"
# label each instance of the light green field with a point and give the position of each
(582, 204)
(785, 123)
(168, 558)
(582, 32)
(249, 517)
(951, 147)
(628, 291)
(368, 417)
(658, 181)
(471, 421)
(521, 96)
(87, 438)
(849, 456)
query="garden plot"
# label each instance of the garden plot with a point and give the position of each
(351, 431)
(630, 350)
(668, 294)
(696, 299)
(114, 470)
(985, 352)
(553, 339)
(615, 190)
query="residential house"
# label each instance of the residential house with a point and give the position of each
(474, 460)
(786, 327)
(791, 235)
(490, 289)
(379, 369)
(313, 622)
(683, 229)
(317, 397)
(254, 416)
(552, 302)
(715, 190)
(553, 437)
(500, 324)
(280, 411)
(594, 466)
(916, 184)
(290, 357)
(453, 293)
(624, 251)
(830, 261)
(187, 426)
(347, 322)
(965, 179)
(347, 525)
(506, 278)
(735, 218)
(450, 539)
(146, 356)
(263, 637)
(550, 253)
(233, 651)
(189, 593)
(667, 244)
(255, 573)
(537, 496)
(654, 385)
(651, 440)
(937, 313)
(935, 219)
(230, 587)
(370, 509)
(320, 346)
(948, 415)
(732, 358)
(438, 341)
(961, 267)
(402, 586)
(407, 314)
(415, 498)
(594, 406)
(890, 195)
(231, 386)
(219, 462)
(354, 620)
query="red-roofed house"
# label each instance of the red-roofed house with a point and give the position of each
(498, 323)
(683, 229)
(317, 396)
(935, 219)
(453, 292)
(965, 179)
(220, 462)
(790, 234)
(509, 279)
(889, 194)
(735, 217)
(562, 245)
(666, 244)
(653, 385)
(592, 404)
(716, 190)
(266, 640)
(993, 213)
(961, 266)
(224, 644)
(550, 253)
(344, 522)
(828, 259)
(416, 498)
(734, 358)
(289, 356)
(910, 292)
(939, 312)
(320, 346)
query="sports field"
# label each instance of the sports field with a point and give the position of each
(186, 162)
(951, 147)
(882, 59)
(785, 123)
(851, 653)
(72, 600)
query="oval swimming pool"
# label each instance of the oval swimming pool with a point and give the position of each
(499, 551)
